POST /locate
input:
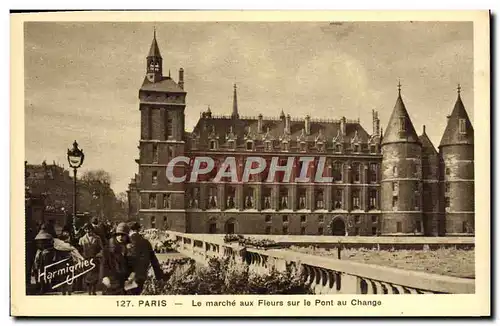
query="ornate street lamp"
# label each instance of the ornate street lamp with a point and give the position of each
(75, 160)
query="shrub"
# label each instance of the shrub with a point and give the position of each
(225, 277)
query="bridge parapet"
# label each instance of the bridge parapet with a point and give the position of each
(323, 274)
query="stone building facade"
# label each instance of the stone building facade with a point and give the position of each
(392, 183)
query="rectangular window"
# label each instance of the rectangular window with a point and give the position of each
(337, 171)
(285, 230)
(268, 218)
(356, 219)
(338, 199)
(356, 172)
(461, 126)
(153, 222)
(302, 230)
(212, 197)
(447, 202)
(320, 204)
(356, 231)
(374, 230)
(285, 218)
(152, 200)
(447, 187)
(338, 148)
(249, 146)
(154, 178)
(213, 144)
(302, 219)
(356, 148)
(373, 199)
(320, 230)
(374, 219)
(355, 199)
(155, 153)
(395, 187)
(302, 199)
(416, 200)
(165, 223)
(395, 171)
(373, 172)
(373, 149)
(464, 227)
(268, 230)
(170, 152)
(399, 227)
(394, 203)
(447, 171)
(321, 218)
(249, 198)
(166, 200)
(283, 199)
(169, 127)
(268, 146)
(230, 197)
(266, 204)
(418, 227)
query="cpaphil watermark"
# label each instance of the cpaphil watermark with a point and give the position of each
(254, 165)
(72, 272)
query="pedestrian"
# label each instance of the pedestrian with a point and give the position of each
(100, 230)
(45, 256)
(65, 238)
(141, 257)
(92, 247)
(114, 269)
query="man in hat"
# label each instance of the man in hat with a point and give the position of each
(141, 256)
(100, 230)
(45, 255)
(91, 248)
(114, 269)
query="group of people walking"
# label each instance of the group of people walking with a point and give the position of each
(122, 257)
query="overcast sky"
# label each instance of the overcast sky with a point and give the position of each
(82, 79)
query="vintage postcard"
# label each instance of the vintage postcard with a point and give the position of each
(250, 164)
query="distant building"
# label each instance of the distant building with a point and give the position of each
(395, 184)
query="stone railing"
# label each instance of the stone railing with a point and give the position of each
(324, 275)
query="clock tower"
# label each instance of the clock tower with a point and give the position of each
(162, 102)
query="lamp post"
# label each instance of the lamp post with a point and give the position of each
(75, 160)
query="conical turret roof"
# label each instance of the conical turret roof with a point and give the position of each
(400, 128)
(454, 134)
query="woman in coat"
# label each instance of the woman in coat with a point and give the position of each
(114, 270)
(92, 249)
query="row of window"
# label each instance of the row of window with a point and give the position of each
(249, 199)
(321, 219)
(168, 132)
(156, 155)
(153, 222)
(165, 203)
(321, 230)
(270, 146)
(335, 170)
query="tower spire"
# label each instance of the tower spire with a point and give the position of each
(399, 87)
(459, 89)
(154, 61)
(235, 114)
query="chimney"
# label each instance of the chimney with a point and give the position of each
(423, 130)
(342, 126)
(181, 78)
(287, 124)
(308, 125)
(259, 124)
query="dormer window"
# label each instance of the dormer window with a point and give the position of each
(321, 147)
(213, 144)
(356, 148)
(303, 147)
(285, 146)
(249, 145)
(461, 126)
(194, 143)
(373, 149)
(269, 146)
(402, 124)
(338, 148)
(231, 144)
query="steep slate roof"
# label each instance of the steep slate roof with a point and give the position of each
(392, 133)
(167, 84)
(276, 127)
(428, 148)
(451, 135)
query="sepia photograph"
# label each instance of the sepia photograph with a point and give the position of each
(327, 157)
